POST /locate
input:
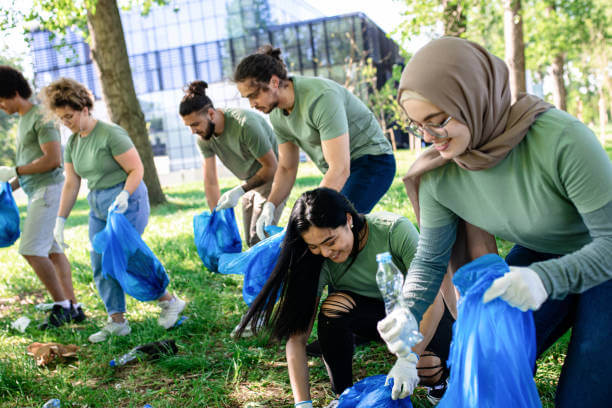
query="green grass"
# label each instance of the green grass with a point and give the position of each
(210, 370)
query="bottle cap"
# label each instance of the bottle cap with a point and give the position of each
(113, 363)
(383, 257)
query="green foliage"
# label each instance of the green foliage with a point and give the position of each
(210, 369)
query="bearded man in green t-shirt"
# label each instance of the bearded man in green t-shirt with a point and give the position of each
(245, 144)
(331, 125)
(39, 173)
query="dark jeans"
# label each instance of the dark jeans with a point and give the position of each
(371, 177)
(336, 337)
(585, 379)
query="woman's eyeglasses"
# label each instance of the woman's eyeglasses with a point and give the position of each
(434, 130)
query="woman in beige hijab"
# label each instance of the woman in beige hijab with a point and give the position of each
(525, 172)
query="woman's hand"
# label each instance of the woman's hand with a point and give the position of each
(521, 288)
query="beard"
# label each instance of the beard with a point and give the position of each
(210, 131)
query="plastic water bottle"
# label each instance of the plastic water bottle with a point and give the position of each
(131, 355)
(390, 281)
(150, 350)
(52, 403)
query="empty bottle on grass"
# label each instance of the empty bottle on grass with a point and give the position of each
(52, 403)
(150, 351)
(390, 281)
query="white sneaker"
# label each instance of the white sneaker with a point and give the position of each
(170, 311)
(111, 329)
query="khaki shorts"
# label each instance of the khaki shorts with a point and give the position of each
(37, 232)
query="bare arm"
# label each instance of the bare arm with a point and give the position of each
(211, 182)
(284, 178)
(131, 164)
(337, 154)
(70, 191)
(265, 173)
(297, 362)
(51, 159)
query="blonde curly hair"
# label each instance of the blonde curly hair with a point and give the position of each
(66, 92)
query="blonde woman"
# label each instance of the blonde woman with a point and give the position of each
(104, 155)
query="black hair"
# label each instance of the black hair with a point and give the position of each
(260, 66)
(195, 99)
(296, 273)
(12, 82)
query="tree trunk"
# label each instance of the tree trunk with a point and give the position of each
(515, 46)
(559, 93)
(110, 56)
(455, 21)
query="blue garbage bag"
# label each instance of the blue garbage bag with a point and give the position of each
(127, 259)
(9, 216)
(256, 264)
(493, 351)
(216, 233)
(371, 392)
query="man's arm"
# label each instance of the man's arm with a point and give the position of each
(211, 182)
(284, 178)
(269, 164)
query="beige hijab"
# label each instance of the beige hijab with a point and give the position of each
(470, 84)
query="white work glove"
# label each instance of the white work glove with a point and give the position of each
(121, 202)
(405, 376)
(521, 288)
(303, 404)
(390, 330)
(58, 232)
(229, 199)
(7, 173)
(265, 219)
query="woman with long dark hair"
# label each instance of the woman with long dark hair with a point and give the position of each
(328, 243)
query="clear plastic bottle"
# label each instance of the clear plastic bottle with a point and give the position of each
(390, 281)
(52, 403)
(150, 351)
(131, 355)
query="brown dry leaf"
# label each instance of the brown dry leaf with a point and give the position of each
(44, 353)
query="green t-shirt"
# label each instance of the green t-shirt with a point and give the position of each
(387, 233)
(323, 110)
(34, 131)
(93, 156)
(246, 137)
(534, 196)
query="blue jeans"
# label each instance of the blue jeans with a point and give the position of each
(137, 214)
(585, 376)
(371, 176)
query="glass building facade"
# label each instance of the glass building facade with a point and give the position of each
(173, 46)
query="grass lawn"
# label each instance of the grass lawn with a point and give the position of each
(211, 369)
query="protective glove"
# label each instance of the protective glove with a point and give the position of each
(521, 288)
(265, 219)
(121, 202)
(7, 173)
(405, 376)
(303, 404)
(229, 199)
(390, 329)
(58, 232)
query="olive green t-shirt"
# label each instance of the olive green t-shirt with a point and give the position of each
(535, 195)
(34, 131)
(246, 137)
(387, 233)
(93, 156)
(324, 110)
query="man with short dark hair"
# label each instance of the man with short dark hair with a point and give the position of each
(39, 172)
